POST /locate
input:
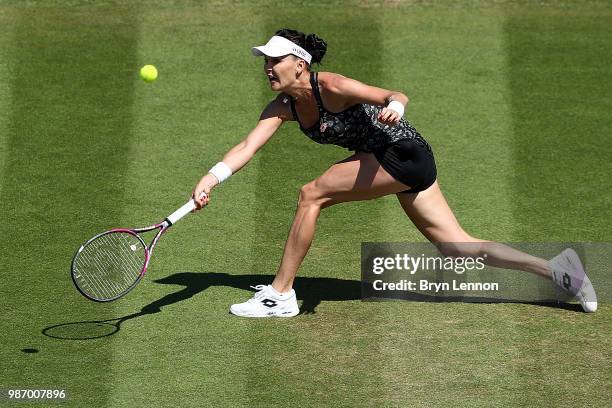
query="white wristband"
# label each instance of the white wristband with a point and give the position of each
(221, 171)
(396, 106)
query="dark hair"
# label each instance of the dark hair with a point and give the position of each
(311, 43)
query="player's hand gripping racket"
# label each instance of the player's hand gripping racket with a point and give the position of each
(110, 264)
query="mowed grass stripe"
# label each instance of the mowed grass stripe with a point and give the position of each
(561, 125)
(183, 123)
(435, 353)
(561, 113)
(6, 35)
(304, 359)
(70, 108)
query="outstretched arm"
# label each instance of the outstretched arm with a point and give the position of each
(238, 156)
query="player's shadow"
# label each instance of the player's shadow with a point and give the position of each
(310, 291)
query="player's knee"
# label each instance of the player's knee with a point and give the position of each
(464, 249)
(449, 249)
(310, 194)
(307, 194)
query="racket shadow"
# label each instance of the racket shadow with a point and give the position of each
(314, 291)
(96, 329)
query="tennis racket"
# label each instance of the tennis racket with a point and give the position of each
(111, 264)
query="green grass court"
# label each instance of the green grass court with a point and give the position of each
(514, 97)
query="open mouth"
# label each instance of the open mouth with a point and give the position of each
(272, 78)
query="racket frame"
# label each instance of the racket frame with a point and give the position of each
(162, 226)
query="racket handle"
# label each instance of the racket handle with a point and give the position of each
(188, 207)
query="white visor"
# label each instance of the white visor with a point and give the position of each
(279, 46)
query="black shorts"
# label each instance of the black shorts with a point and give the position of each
(410, 162)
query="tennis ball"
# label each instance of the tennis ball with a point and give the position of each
(148, 73)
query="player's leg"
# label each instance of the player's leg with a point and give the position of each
(359, 177)
(431, 214)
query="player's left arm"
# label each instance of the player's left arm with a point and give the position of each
(354, 92)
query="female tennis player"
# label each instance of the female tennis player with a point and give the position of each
(390, 157)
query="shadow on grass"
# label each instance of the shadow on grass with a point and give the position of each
(311, 291)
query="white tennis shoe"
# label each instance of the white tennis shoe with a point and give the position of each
(569, 275)
(267, 302)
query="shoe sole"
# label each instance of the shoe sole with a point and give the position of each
(269, 314)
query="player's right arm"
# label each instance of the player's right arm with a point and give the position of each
(238, 156)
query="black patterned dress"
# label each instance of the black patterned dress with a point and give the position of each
(400, 149)
(356, 128)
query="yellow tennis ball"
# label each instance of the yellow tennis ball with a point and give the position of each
(148, 73)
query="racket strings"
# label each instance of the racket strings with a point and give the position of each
(110, 264)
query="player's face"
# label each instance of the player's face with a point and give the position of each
(280, 71)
